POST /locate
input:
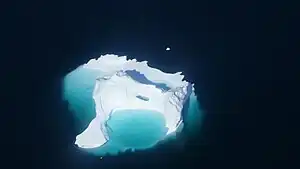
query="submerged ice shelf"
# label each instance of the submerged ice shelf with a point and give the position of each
(119, 84)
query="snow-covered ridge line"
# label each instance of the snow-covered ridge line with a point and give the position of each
(110, 64)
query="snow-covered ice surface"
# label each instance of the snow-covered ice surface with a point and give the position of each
(122, 104)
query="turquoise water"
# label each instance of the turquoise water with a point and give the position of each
(78, 91)
(137, 129)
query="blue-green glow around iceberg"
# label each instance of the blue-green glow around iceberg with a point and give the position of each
(118, 109)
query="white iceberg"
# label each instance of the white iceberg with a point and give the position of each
(124, 84)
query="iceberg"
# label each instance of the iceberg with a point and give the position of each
(113, 84)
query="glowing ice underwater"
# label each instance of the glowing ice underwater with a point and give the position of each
(125, 104)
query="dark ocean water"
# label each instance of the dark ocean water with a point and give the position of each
(232, 50)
